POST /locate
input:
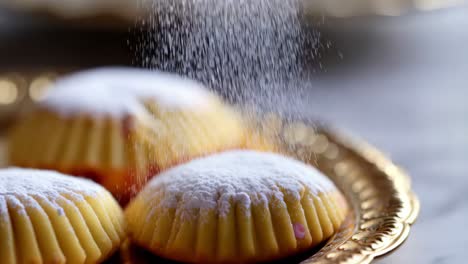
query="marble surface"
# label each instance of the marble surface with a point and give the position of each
(405, 90)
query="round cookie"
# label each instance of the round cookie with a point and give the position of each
(119, 126)
(48, 217)
(235, 207)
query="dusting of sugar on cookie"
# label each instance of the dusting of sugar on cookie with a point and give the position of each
(238, 178)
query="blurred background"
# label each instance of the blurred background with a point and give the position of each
(395, 74)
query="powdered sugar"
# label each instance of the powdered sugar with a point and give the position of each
(48, 184)
(258, 52)
(119, 91)
(237, 178)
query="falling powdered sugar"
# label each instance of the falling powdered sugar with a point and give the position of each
(252, 51)
(236, 178)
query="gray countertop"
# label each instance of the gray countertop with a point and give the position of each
(401, 84)
(407, 93)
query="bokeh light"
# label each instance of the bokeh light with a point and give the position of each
(8, 91)
(39, 86)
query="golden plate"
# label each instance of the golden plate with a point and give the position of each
(379, 192)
